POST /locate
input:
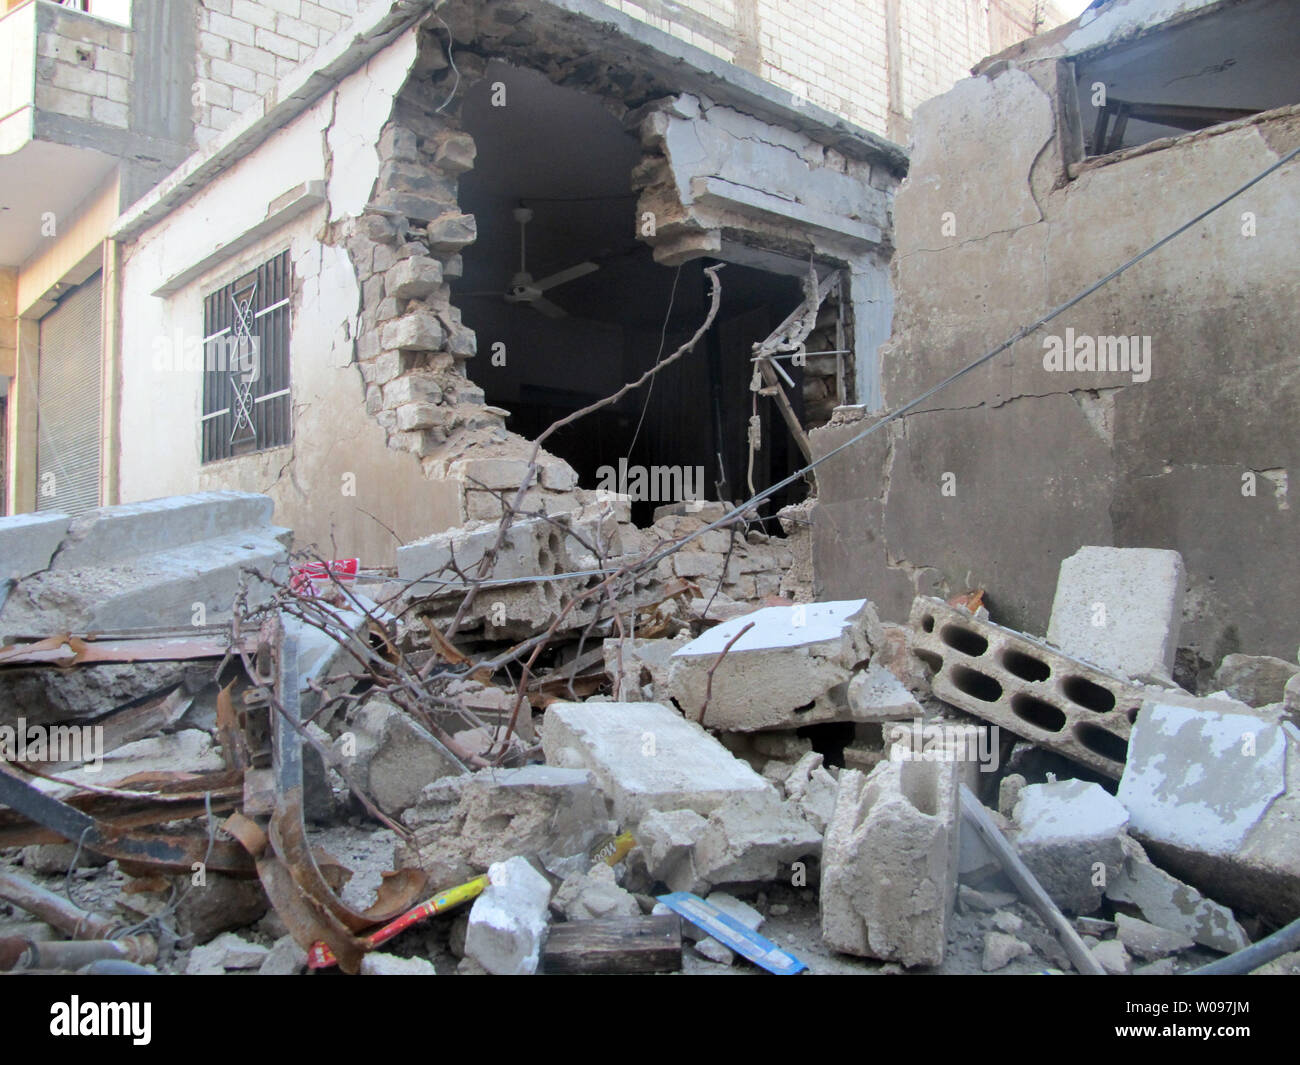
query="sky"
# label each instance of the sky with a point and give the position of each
(1072, 7)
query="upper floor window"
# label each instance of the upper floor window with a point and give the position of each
(1222, 66)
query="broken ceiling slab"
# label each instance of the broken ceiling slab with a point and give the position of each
(788, 667)
(875, 694)
(1215, 797)
(28, 543)
(646, 757)
(1166, 901)
(149, 565)
(1120, 608)
(1065, 828)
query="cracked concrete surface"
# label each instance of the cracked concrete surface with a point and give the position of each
(1038, 462)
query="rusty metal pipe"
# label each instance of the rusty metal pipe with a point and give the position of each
(71, 954)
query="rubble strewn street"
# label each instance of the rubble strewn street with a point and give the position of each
(318, 777)
(648, 488)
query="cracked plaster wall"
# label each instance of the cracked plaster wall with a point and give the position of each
(404, 427)
(1044, 462)
(336, 445)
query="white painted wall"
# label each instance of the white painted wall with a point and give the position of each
(162, 402)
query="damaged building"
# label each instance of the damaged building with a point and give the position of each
(546, 486)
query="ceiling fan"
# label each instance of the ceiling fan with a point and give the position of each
(523, 289)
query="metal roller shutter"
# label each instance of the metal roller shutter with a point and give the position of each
(68, 403)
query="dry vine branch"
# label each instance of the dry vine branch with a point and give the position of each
(508, 515)
(708, 689)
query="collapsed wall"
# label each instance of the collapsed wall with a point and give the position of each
(412, 346)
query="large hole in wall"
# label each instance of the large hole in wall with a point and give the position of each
(562, 155)
(1217, 68)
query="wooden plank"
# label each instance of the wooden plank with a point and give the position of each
(787, 411)
(611, 946)
(978, 818)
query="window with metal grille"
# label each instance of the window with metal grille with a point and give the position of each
(246, 404)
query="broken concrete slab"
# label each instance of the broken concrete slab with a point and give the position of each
(493, 706)
(812, 788)
(28, 542)
(640, 668)
(1025, 686)
(1167, 902)
(1001, 949)
(391, 965)
(285, 958)
(191, 750)
(667, 840)
(790, 669)
(1215, 797)
(889, 862)
(876, 694)
(718, 953)
(705, 944)
(532, 547)
(1069, 835)
(227, 952)
(646, 757)
(508, 921)
(391, 756)
(751, 838)
(1120, 608)
(465, 824)
(1148, 941)
(594, 894)
(1112, 957)
(151, 565)
(1256, 680)
(754, 838)
(107, 535)
(55, 696)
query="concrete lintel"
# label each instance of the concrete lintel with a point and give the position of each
(723, 193)
(774, 262)
(281, 210)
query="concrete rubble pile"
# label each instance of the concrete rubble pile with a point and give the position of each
(712, 775)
